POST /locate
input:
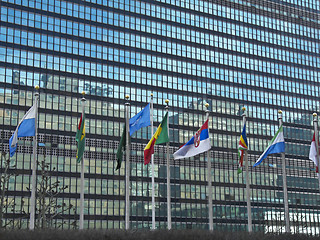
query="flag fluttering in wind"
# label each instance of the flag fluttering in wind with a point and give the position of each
(121, 148)
(159, 137)
(140, 120)
(199, 143)
(243, 145)
(25, 128)
(313, 152)
(80, 138)
(276, 145)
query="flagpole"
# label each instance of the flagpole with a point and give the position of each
(34, 165)
(284, 177)
(247, 179)
(168, 176)
(127, 217)
(81, 220)
(315, 126)
(209, 179)
(153, 208)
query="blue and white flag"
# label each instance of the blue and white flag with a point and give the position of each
(140, 120)
(277, 145)
(25, 128)
(199, 143)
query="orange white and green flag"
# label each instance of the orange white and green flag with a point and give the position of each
(243, 145)
(159, 137)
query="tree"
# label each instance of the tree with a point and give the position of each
(48, 192)
(5, 202)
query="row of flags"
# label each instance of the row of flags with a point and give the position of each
(276, 145)
(199, 143)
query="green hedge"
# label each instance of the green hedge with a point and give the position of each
(142, 235)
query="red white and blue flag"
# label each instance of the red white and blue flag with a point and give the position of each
(199, 143)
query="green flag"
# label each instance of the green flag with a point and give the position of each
(121, 148)
(163, 137)
(80, 138)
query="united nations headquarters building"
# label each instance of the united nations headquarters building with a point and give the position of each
(228, 60)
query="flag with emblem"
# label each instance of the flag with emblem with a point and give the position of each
(80, 138)
(140, 120)
(199, 143)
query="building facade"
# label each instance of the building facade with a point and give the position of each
(262, 55)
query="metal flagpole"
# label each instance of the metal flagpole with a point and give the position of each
(168, 174)
(284, 177)
(209, 179)
(34, 165)
(127, 217)
(81, 220)
(315, 126)
(153, 207)
(247, 179)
